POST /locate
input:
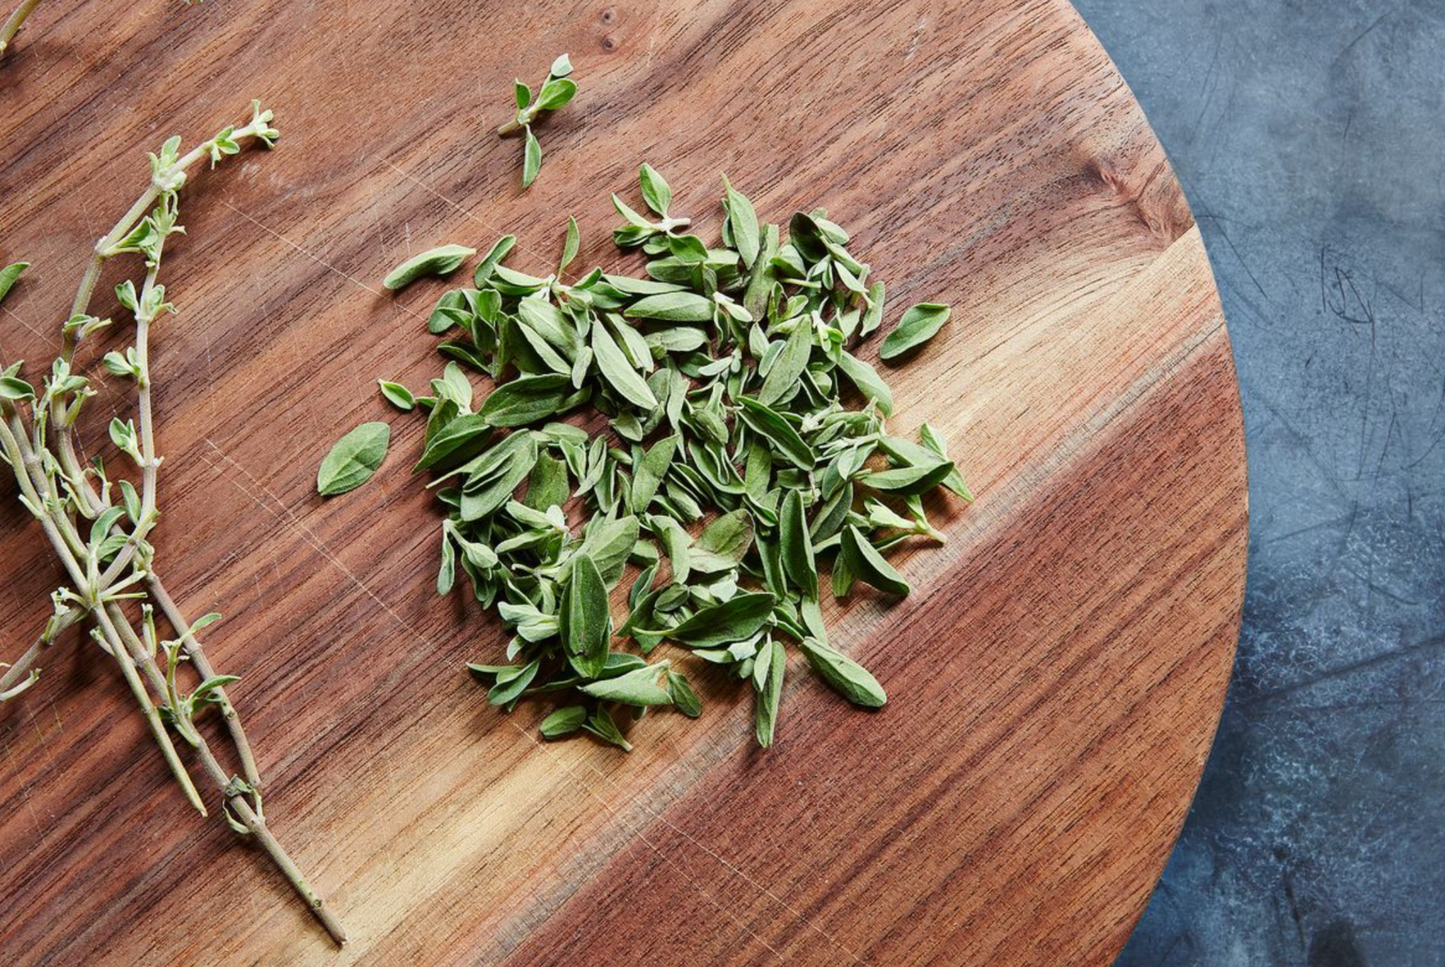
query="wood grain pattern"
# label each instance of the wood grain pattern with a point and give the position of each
(1055, 678)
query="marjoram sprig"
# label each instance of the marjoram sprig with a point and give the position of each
(99, 525)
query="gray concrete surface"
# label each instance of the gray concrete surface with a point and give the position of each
(1310, 138)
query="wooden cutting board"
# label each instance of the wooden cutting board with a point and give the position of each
(1055, 679)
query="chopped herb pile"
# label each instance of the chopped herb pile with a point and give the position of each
(747, 453)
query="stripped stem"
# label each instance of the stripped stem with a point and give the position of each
(148, 708)
(203, 665)
(59, 492)
(14, 22)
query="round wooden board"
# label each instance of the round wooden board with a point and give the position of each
(1055, 679)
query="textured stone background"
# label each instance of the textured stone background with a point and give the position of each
(1310, 138)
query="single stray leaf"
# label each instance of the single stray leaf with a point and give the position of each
(9, 274)
(353, 459)
(442, 260)
(397, 395)
(918, 325)
(531, 159)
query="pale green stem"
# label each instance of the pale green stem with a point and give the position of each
(71, 463)
(13, 23)
(206, 670)
(22, 667)
(109, 618)
(20, 689)
(289, 869)
(32, 484)
(153, 717)
(149, 462)
(255, 824)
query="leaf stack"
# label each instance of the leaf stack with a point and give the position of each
(746, 452)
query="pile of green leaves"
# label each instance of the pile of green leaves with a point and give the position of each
(745, 451)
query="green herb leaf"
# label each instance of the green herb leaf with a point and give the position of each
(397, 395)
(602, 726)
(742, 224)
(764, 420)
(512, 683)
(672, 307)
(497, 474)
(556, 93)
(499, 250)
(684, 699)
(15, 389)
(934, 441)
(650, 472)
(768, 682)
(918, 325)
(796, 545)
(638, 688)
(9, 274)
(563, 722)
(873, 317)
(459, 441)
(353, 459)
(608, 542)
(655, 189)
(782, 382)
(526, 400)
(618, 371)
(866, 378)
(531, 159)
(586, 619)
(869, 566)
(570, 245)
(908, 480)
(723, 544)
(844, 675)
(740, 617)
(442, 260)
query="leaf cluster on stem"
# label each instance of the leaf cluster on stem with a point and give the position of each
(99, 524)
